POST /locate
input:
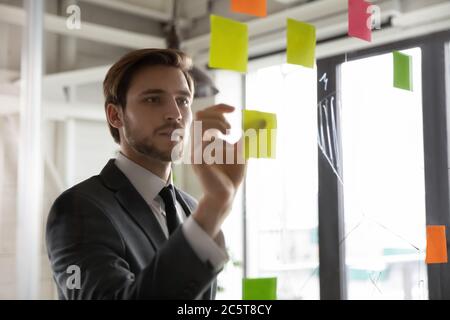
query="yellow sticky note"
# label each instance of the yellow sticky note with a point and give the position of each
(228, 44)
(301, 43)
(259, 134)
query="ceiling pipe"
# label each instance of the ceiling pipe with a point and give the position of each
(89, 31)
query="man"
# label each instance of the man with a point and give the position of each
(128, 232)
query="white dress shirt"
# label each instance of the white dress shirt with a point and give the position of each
(149, 185)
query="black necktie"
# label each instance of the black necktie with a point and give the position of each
(168, 196)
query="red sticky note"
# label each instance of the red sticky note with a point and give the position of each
(358, 20)
(252, 7)
(436, 245)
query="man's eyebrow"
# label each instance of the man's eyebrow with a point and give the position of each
(153, 91)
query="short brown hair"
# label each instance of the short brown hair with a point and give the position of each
(119, 76)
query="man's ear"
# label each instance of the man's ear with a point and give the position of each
(114, 115)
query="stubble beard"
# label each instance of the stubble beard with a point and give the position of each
(146, 147)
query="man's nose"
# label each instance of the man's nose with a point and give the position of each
(173, 111)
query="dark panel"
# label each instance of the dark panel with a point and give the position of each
(331, 222)
(436, 156)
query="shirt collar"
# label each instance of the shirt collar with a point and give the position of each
(146, 182)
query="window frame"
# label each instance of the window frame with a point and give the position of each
(436, 92)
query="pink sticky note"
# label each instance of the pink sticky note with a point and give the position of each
(358, 20)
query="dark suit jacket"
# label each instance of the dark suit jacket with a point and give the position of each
(105, 227)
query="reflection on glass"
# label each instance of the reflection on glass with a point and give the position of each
(281, 193)
(384, 186)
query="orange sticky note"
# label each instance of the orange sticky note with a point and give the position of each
(252, 7)
(436, 245)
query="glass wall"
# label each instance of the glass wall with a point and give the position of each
(384, 191)
(281, 193)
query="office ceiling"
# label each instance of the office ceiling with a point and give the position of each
(113, 27)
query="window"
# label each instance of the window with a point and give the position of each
(281, 193)
(229, 281)
(391, 148)
(384, 186)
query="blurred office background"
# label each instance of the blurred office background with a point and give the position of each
(349, 225)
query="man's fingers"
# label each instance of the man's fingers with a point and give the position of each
(222, 107)
(217, 109)
(219, 118)
(210, 124)
(211, 115)
(213, 118)
(238, 150)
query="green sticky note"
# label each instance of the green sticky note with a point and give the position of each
(259, 289)
(228, 44)
(259, 134)
(402, 71)
(301, 43)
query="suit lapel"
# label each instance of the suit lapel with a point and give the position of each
(133, 203)
(138, 209)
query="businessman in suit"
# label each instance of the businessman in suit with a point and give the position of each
(128, 232)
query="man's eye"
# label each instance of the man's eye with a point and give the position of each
(184, 101)
(153, 99)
